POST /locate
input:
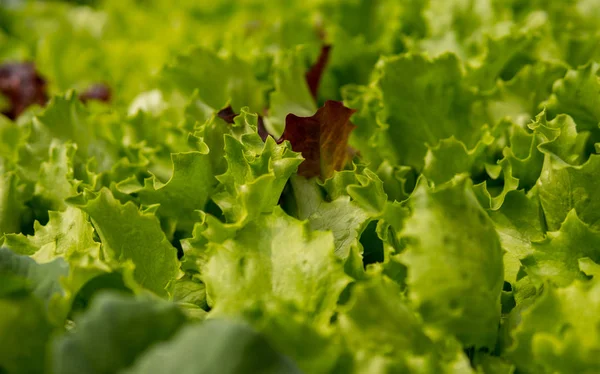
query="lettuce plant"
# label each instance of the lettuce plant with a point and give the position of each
(318, 186)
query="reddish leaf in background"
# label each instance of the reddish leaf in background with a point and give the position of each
(322, 139)
(227, 114)
(22, 86)
(321, 33)
(262, 130)
(313, 76)
(98, 92)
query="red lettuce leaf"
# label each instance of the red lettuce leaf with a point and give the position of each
(22, 86)
(227, 114)
(98, 92)
(322, 139)
(313, 76)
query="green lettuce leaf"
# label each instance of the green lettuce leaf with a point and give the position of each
(188, 189)
(455, 271)
(55, 181)
(43, 279)
(256, 175)
(129, 234)
(577, 95)
(67, 119)
(589, 267)
(25, 333)
(499, 51)
(560, 138)
(217, 80)
(557, 257)
(344, 204)
(425, 101)
(200, 349)
(343, 217)
(291, 94)
(488, 364)
(397, 342)
(67, 238)
(451, 157)
(557, 335)
(280, 290)
(520, 98)
(519, 223)
(113, 333)
(563, 187)
(12, 203)
(452, 230)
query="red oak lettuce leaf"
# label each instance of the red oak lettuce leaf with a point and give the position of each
(322, 139)
(313, 76)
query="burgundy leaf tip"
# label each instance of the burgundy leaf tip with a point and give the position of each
(262, 130)
(98, 92)
(227, 114)
(313, 76)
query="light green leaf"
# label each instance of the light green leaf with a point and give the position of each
(345, 219)
(291, 94)
(488, 364)
(43, 279)
(499, 51)
(556, 334)
(451, 157)
(113, 333)
(492, 196)
(557, 257)
(129, 234)
(523, 156)
(281, 290)
(560, 138)
(55, 182)
(256, 175)
(186, 191)
(67, 119)
(363, 185)
(67, 238)
(518, 223)
(589, 267)
(67, 235)
(354, 199)
(385, 335)
(189, 290)
(454, 262)
(577, 95)
(11, 140)
(304, 273)
(563, 187)
(370, 135)
(12, 199)
(424, 101)
(24, 332)
(520, 98)
(217, 80)
(201, 348)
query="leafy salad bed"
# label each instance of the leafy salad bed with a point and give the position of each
(313, 186)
